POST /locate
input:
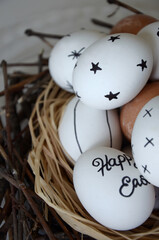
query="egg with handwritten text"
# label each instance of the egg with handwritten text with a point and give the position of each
(145, 141)
(112, 189)
(112, 71)
(83, 127)
(65, 53)
(150, 35)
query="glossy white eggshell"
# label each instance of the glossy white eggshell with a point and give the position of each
(83, 127)
(145, 141)
(112, 71)
(150, 34)
(65, 53)
(111, 188)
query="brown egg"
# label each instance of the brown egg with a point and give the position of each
(130, 110)
(132, 24)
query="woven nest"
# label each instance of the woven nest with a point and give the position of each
(53, 172)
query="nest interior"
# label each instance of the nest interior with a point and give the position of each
(53, 170)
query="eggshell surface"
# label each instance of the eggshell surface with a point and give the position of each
(150, 34)
(111, 188)
(82, 127)
(132, 24)
(65, 53)
(130, 110)
(145, 141)
(112, 71)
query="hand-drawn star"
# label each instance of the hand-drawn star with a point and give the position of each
(142, 64)
(95, 67)
(111, 95)
(76, 54)
(113, 38)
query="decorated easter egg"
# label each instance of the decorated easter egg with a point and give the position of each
(130, 110)
(150, 34)
(65, 53)
(132, 24)
(83, 127)
(112, 71)
(145, 141)
(111, 188)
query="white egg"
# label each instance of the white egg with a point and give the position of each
(65, 53)
(82, 127)
(112, 190)
(145, 141)
(112, 71)
(150, 34)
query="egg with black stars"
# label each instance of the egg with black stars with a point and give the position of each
(112, 71)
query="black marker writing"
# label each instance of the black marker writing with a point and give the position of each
(108, 163)
(129, 185)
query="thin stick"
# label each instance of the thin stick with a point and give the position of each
(30, 32)
(21, 185)
(8, 130)
(101, 23)
(37, 212)
(124, 5)
(42, 36)
(61, 223)
(20, 85)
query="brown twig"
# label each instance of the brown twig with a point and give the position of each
(30, 32)
(101, 23)
(9, 163)
(124, 5)
(61, 223)
(44, 62)
(37, 212)
(20, 85)
(42, 36)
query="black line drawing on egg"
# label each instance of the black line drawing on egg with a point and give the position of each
(110, 133)
(75, 126)
(149, 141)
(147, 113)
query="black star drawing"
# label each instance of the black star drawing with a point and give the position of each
(142, 64)
(111, 95)
(113, 38)
(76, 54)
(145, 169)
(95, 67)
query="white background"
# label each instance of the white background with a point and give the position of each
(54, 16)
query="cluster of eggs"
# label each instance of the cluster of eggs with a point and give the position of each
(115, 95)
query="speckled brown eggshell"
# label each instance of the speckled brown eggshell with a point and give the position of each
(132, 24)
(130, 110)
